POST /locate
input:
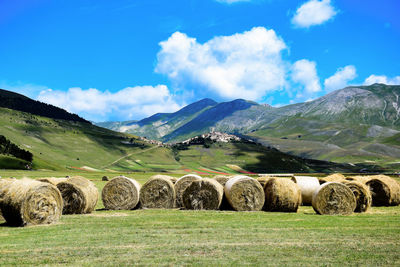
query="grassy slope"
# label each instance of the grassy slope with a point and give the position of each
(171, 237)
(59, 144)
(9, 162)
(330, 141)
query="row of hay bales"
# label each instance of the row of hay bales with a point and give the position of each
(41, 201)
(30, 202)
(378, 190)
(240, 193)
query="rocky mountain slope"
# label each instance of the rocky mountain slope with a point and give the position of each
(356, 124)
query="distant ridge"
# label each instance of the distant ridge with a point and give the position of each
(19, 102)
(353, 124)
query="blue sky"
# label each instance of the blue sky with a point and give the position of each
(128, 59)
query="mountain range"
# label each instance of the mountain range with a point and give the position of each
(66, 142)
(353, 124)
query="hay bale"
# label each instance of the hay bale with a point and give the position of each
(173, 179)
(121, 193)
(308, 185)
(158, 193)
(180, 186)
(204, 194)
(29, 202)
(263, 180)
(358, 178)
(361, 193)
(104, 178)
(244, 193)
(334, 198)
(385, 191)
(282, 194)
(52, 180)
(335, 177)
(79, 195)
(222, 179)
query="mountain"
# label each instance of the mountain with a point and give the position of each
(161, 124)
(114, 125)
(68, 145)
(354, 124)
(19, 102)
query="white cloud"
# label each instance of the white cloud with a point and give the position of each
(128, 103)
(341, 78)
(313, 12)
(304, 72)
(382, 79)
(232, 1)
(245, 65)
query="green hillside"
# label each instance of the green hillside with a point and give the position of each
(61, 145)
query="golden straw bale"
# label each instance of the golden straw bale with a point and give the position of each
(180, 186)
(263, 180)
(385, 191)
(52, 180)
(362, 195)
(222, 179)
(335, 177)
(204, 194)
(29, 202)
(334, 198)
(359, 178)
(121, 193)
(158, 193)
(79, 195)
(282, 194)
(244, 193)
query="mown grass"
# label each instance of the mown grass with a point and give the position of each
(212, 238)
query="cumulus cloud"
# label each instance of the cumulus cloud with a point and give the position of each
(341, 78)
(382, 79)
(243, 65)
(128, 103)
(313, 12)
(304, 72)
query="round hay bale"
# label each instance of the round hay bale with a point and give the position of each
(222, 179)
(385, 191)
(362, 194)
(173, 179)
(282, 194)
(52, 180)
(79, 195)
(334, 198)
(158, 193)
(359, 178)
(308, 185)
(29, 202)
(335, 177)
(204, 194)
(263, 180)
(121, 193)
(244, 193)
(180, 186)
(104, 178)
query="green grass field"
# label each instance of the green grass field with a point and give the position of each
(212, 238)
